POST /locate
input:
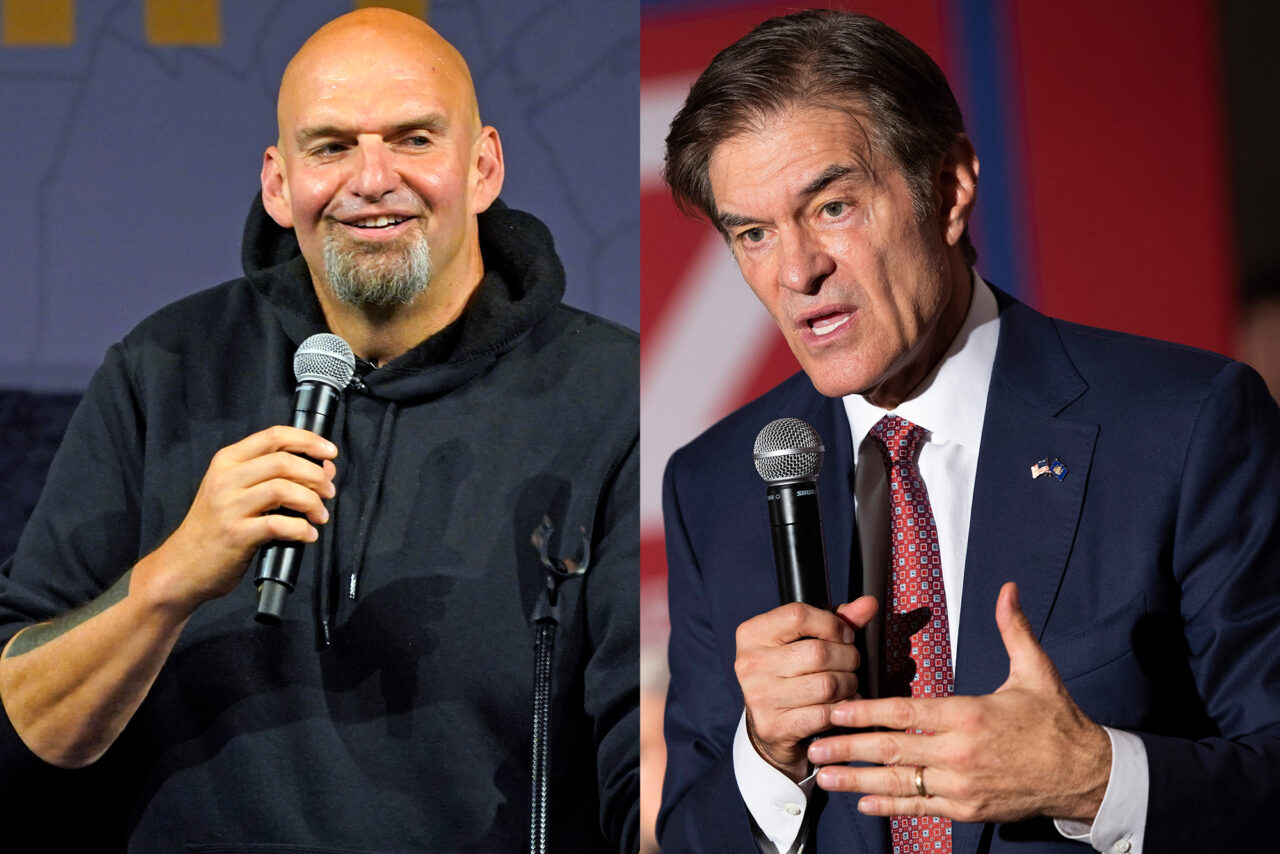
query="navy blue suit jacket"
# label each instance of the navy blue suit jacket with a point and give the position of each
(1150, 573)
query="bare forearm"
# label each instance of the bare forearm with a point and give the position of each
(71, 685)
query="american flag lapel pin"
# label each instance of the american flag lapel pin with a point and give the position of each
(1041, 468)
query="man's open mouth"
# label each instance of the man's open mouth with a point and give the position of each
(829, 323)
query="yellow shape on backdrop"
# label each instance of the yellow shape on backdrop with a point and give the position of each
(183, 23)
(37, 23)
(417, 8)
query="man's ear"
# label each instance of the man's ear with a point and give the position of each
(487, 169)
(275, 188)
(957, 188)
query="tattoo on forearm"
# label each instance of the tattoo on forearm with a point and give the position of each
(40, 634)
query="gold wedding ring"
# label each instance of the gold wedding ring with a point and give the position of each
(920, 789)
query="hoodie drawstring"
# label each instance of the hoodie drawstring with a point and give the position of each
(327, 603)
(371, 499)
(325, 570)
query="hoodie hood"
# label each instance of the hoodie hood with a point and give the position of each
(523, 282)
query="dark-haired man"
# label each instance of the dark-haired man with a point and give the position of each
(473, 517)
(1120, 696)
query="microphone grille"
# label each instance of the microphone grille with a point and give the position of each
(325, 358)
(788, 449)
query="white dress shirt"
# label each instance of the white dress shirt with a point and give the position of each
(950, 404)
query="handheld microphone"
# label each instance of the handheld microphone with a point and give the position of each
(788, 456)
(323, 365)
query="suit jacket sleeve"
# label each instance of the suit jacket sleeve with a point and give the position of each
(701, 808)
(1212, 792)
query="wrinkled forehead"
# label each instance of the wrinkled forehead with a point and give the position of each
(786, 150)
(846, 115)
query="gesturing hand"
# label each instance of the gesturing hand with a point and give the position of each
(1023, 751)
(232, 516)
(793, 663)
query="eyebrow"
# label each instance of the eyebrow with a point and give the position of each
(833, 173)
(730, 221)
(433, 123)
(830, 175)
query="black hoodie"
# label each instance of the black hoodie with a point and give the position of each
(392, 709)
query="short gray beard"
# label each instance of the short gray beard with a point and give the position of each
(377, 275)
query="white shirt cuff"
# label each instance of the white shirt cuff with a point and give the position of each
(775, 803)
(1121, 822)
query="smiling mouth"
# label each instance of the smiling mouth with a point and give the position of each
(829, 323)
(378, 222)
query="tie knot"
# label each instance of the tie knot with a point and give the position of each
(897, 438)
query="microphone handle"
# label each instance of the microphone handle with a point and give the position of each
(799, 553)
(799, 550)
(314, 404)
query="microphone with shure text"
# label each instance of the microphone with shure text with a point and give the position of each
(788, 455)
(323, 365)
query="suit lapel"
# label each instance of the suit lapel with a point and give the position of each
(835, 492)
(1021, 527)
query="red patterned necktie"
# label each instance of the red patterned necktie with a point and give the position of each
(917, 639)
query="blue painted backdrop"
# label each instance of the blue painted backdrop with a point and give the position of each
(129, 167)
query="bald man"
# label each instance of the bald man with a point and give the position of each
(475, 508)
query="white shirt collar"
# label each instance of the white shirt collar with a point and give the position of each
(951, 401)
